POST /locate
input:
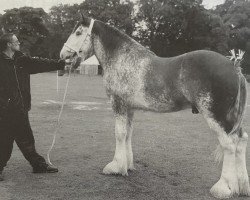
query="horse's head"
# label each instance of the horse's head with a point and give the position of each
(79, 42)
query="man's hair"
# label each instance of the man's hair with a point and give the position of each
(4, 39)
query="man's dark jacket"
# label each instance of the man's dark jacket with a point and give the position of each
(15, 79)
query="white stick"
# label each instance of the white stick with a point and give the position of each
(57, 82)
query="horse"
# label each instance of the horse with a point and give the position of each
(137, 79)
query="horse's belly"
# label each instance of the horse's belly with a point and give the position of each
(159, 103)
(145, 91)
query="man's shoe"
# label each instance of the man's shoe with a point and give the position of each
(1, 176)
(45, 168)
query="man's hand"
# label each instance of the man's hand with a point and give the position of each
(75, 62)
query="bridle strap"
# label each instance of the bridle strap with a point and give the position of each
(71, 49)
(91, 26)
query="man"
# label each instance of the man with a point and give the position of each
(15, 102)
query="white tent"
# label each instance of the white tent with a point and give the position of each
(89, 66)
(91, 61)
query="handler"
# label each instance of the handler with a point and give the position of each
(15, 102)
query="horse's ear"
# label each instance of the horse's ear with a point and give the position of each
(82, 16)
(3, 30)
(84, 19)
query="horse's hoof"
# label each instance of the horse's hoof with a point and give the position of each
(244, 188)
(222, 190)
(114, 168)
(131, 168)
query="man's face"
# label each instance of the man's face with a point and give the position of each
(14, 44)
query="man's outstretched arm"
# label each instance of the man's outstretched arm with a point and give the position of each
(35, 65)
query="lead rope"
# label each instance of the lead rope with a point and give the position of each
(58, 119)
(66, 88)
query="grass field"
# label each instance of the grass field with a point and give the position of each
(172, 152)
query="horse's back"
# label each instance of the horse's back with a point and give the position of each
(212, 63)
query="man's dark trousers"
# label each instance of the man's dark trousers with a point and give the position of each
(15, 126)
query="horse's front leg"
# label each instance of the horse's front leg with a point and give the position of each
(130, 160)
(119, 165)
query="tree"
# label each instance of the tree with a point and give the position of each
(113, 12)
(236, 15)
(1, 31)
(62, 20)
(206, 30)
(28, 24)
(172, 27)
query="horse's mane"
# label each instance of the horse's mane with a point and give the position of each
(76, 26)
(112, 38)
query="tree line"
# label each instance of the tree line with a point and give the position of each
(167, 27)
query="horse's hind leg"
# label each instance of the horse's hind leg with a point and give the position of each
(242, 174)
(228, 184)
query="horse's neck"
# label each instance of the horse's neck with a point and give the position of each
(112, 49)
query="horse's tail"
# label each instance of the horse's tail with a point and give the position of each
(237, 113)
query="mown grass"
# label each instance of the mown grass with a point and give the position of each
(172, 152)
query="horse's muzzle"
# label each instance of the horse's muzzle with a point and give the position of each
(63, 54)
(67, 55)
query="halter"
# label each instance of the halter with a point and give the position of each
(72, 49)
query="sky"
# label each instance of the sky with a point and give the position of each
(211, 3)
(47, 4)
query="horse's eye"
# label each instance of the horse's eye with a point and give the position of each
(78, 32)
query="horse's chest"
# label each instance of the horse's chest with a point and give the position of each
(125, 82)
